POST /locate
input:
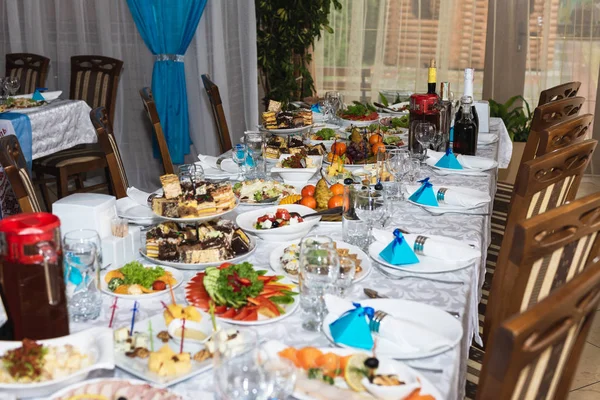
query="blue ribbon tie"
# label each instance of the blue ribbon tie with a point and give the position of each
(398, 237)
(424, 185)
(368, 311)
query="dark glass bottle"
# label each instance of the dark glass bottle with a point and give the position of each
(423, 107)
(469, 74)
(465, 130)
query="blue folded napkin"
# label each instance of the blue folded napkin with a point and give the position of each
(425, 195)
(315, 108)
(352, 328)
(37, 96)
(398, 252)
(448, 160)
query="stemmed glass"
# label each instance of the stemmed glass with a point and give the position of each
(414, 169)
(370, 207)
(319, 271)
(255, 142)
(282, 372)
(397, 165)
(425, 133)
(347, 274)
(190, 175)
(335, 102)
(12, 84)
(239, 154)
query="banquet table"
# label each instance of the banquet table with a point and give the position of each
(463, 298)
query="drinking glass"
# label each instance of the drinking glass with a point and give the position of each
(281, 371)
(190, 175)
(353, 229)
(255, 142)
(319, 270)
(414, 170)
(239, 154)
(425, 133)
(347, 274)
(335, 102)
(238, 373)
(370, 207)
(12, 84)
(83, 260)
(397, 165)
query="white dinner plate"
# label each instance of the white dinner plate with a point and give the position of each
(176, 274)
(201, 266)
(443, 208)
(286, 131)
(273, 347)
(96, 342)
(109, 386)
(262, 320)
(365, 261)
(198, 219)
(435, 319)
(426, 265)
(135, 213)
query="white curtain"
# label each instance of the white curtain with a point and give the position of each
(224, 47)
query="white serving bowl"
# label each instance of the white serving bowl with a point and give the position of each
(298, 176)
(347, 122)
(247, 221)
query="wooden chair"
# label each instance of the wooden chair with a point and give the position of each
(31, 69)
(218, 114)
(15, 168)
(559, 92)
(150, 107)
(106, 138)
(94, 79)
(564, 134)
(535, 354)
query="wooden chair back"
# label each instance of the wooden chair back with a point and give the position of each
(535, 354)
(559, 92)
(546, 116)
(150, 107)
(95, 79)
(106, 138)
(564, 134)
(15, 168)
(31, 69)
(218, 113)
(542, 184)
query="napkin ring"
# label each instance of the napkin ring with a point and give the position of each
(419, 244)
(441, 194)
(376, 321)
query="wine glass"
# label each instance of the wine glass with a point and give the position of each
(414, 169)
(319, 270)
(347, 274)
(335, 102)
(370, 207)
(190, 175)
(396, 164)
(282, 372)
(239, 154)
(12, 84)
(238, 373)
(425, 133)
(255, 142)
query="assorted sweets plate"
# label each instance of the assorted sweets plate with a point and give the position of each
(197, 246)
(243, 295)
(136, 281)
(66, 360)
(280, 122)
(284, 259)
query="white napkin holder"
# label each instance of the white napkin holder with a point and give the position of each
(86, 211)
(118, 251)
(483, 113)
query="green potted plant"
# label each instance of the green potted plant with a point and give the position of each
(286, 30)
(517, 119)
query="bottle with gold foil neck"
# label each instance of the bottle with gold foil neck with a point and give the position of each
(423, 108)
(431, 77)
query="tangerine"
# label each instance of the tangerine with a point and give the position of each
(336, 201)
(309, 201)
(376, 138)
(339, 148)
(337, 188)
(307, 357)
(308, 191)
(378, 147)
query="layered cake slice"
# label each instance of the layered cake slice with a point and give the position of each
(171, 186)
(165, 207)
(224, 197)
(269, 119)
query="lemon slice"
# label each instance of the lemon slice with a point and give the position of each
(352, 373)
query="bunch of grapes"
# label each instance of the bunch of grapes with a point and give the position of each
(358, 151)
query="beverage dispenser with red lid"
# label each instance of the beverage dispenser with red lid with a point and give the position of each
(32, 285)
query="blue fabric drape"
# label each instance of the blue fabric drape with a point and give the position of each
(167, 27)
(22, 126)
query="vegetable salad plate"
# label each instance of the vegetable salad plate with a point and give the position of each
(334, 373)
(255, 192)
(114, 388)
(136, 281)
(86, 351)
(284, 259)
(243, 295)
(252, 222)
(416, 317)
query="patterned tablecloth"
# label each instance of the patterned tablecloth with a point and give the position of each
(463, 298)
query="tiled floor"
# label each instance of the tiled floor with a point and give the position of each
(586, 384)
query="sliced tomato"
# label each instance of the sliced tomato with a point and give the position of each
(228, 314)
(242, 313)
(252, 316)
(266, 303)
(225, 265)
(220, 309)
(283, 214)
(200, 303)
(253, 301)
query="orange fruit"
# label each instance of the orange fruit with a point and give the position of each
(308, 191)
(290, 353)
(330, 363)
(378, 147)
(336, 189)
(307, 357)
(309, 201)
(376, 138)
(338, 148)
(343, 363)
(336, 201)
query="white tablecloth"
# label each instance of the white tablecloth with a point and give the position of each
(461, 298)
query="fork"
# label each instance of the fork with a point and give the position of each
(398, 278)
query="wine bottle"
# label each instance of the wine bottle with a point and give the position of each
(465, 129)
(431, 77)
(423, 108)
(469, 74)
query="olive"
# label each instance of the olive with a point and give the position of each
(275, 224)
(378, 186)
(372, 363)
(348, 181)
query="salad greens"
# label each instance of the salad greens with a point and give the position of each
(136, 273)
(359, 109)
(233, 285)
(400, 122)
(326, 134)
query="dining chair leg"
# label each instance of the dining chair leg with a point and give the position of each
(108, 182)
(62, 184)
(45, 192)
